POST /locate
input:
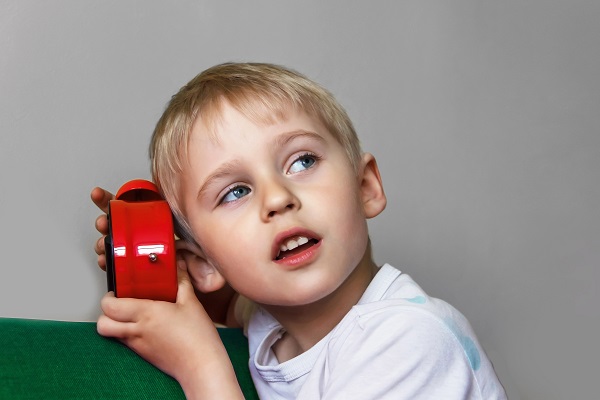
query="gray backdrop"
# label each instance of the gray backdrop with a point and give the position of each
(484, 116)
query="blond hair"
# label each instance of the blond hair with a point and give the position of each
(264, 93)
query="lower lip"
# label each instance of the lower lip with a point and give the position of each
(300, 259)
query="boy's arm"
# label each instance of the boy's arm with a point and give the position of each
(178, 338)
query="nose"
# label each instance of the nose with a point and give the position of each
(278, 198)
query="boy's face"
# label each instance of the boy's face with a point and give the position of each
(253, 190)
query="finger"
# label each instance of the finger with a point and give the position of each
(102, 262)
(122, 309)
(111, 328)
(101, 197)
(185, 289)
(99, 246)
(101, 224)
(101, 251)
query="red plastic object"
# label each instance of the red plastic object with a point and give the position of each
(140, 246)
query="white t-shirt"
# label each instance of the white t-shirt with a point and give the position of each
(396, 343)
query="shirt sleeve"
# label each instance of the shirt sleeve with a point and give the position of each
(403, 354)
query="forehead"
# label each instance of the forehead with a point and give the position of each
(223, 116)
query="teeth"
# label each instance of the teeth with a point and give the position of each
(302, 240)
(293, 243)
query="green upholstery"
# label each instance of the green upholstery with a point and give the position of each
(69, 360)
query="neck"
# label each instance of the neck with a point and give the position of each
(307, 324)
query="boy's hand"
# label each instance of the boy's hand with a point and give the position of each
(178, 338)
(101, 198)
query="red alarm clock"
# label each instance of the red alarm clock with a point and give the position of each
(140, 245)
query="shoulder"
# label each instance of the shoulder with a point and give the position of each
(414, 332)
(398, 352)
(421, 347)
(403, 315)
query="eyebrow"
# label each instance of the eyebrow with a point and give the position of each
(229, 167)
(288, 137)
(224, 170)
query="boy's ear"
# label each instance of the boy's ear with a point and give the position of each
(371, 187)
(203, 275)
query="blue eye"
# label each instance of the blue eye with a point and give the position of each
(235, 193)
(302, 163)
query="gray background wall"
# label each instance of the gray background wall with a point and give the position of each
(484, 115)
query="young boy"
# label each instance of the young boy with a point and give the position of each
(271, 192)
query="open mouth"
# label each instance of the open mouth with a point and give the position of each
(294, 245)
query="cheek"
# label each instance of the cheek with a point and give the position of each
(340, 199)
(225, 242)
(341, 206)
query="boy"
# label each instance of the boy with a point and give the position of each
(271, 192)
